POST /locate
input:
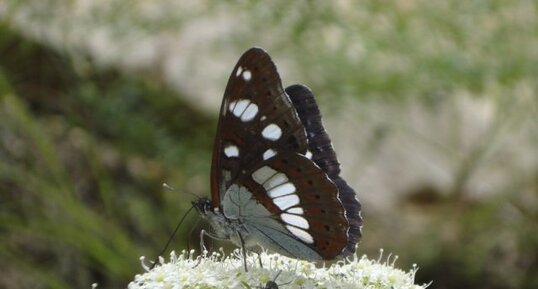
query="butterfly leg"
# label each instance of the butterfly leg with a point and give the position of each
(260, 259)
(210, 235)
(202, 245)
(243, 250)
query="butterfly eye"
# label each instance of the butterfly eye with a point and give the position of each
(207, 206)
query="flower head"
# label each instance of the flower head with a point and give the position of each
(217, 270)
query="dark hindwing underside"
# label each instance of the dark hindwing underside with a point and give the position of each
(324, 156)
(257, 121)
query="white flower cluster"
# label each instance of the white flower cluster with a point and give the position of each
(218, 270)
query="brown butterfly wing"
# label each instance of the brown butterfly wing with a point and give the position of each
(253, 101)
(262, 125)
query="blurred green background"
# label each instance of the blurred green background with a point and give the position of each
(432, 107)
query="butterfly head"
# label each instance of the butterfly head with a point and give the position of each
(203, 206)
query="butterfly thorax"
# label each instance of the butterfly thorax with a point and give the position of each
(223, 227)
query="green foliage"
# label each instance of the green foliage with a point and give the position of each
(82, 159)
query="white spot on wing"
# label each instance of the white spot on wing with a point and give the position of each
(250, 112)
(301, 234)
(287, 201)
(247, 75)
(240, 107)
(296, 211)
(295, 220)
(276, 180)
(231, 151)
(239, 70)
(263, 118)
(268, 154)
(285, 189)
(232, 105)
(271, 132)
(308, 155)
(262, 174)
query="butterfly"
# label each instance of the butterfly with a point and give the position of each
(275, 179)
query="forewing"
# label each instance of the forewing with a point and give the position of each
(257, 121)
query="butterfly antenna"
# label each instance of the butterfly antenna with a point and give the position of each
(170, 188)
(172, 236)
